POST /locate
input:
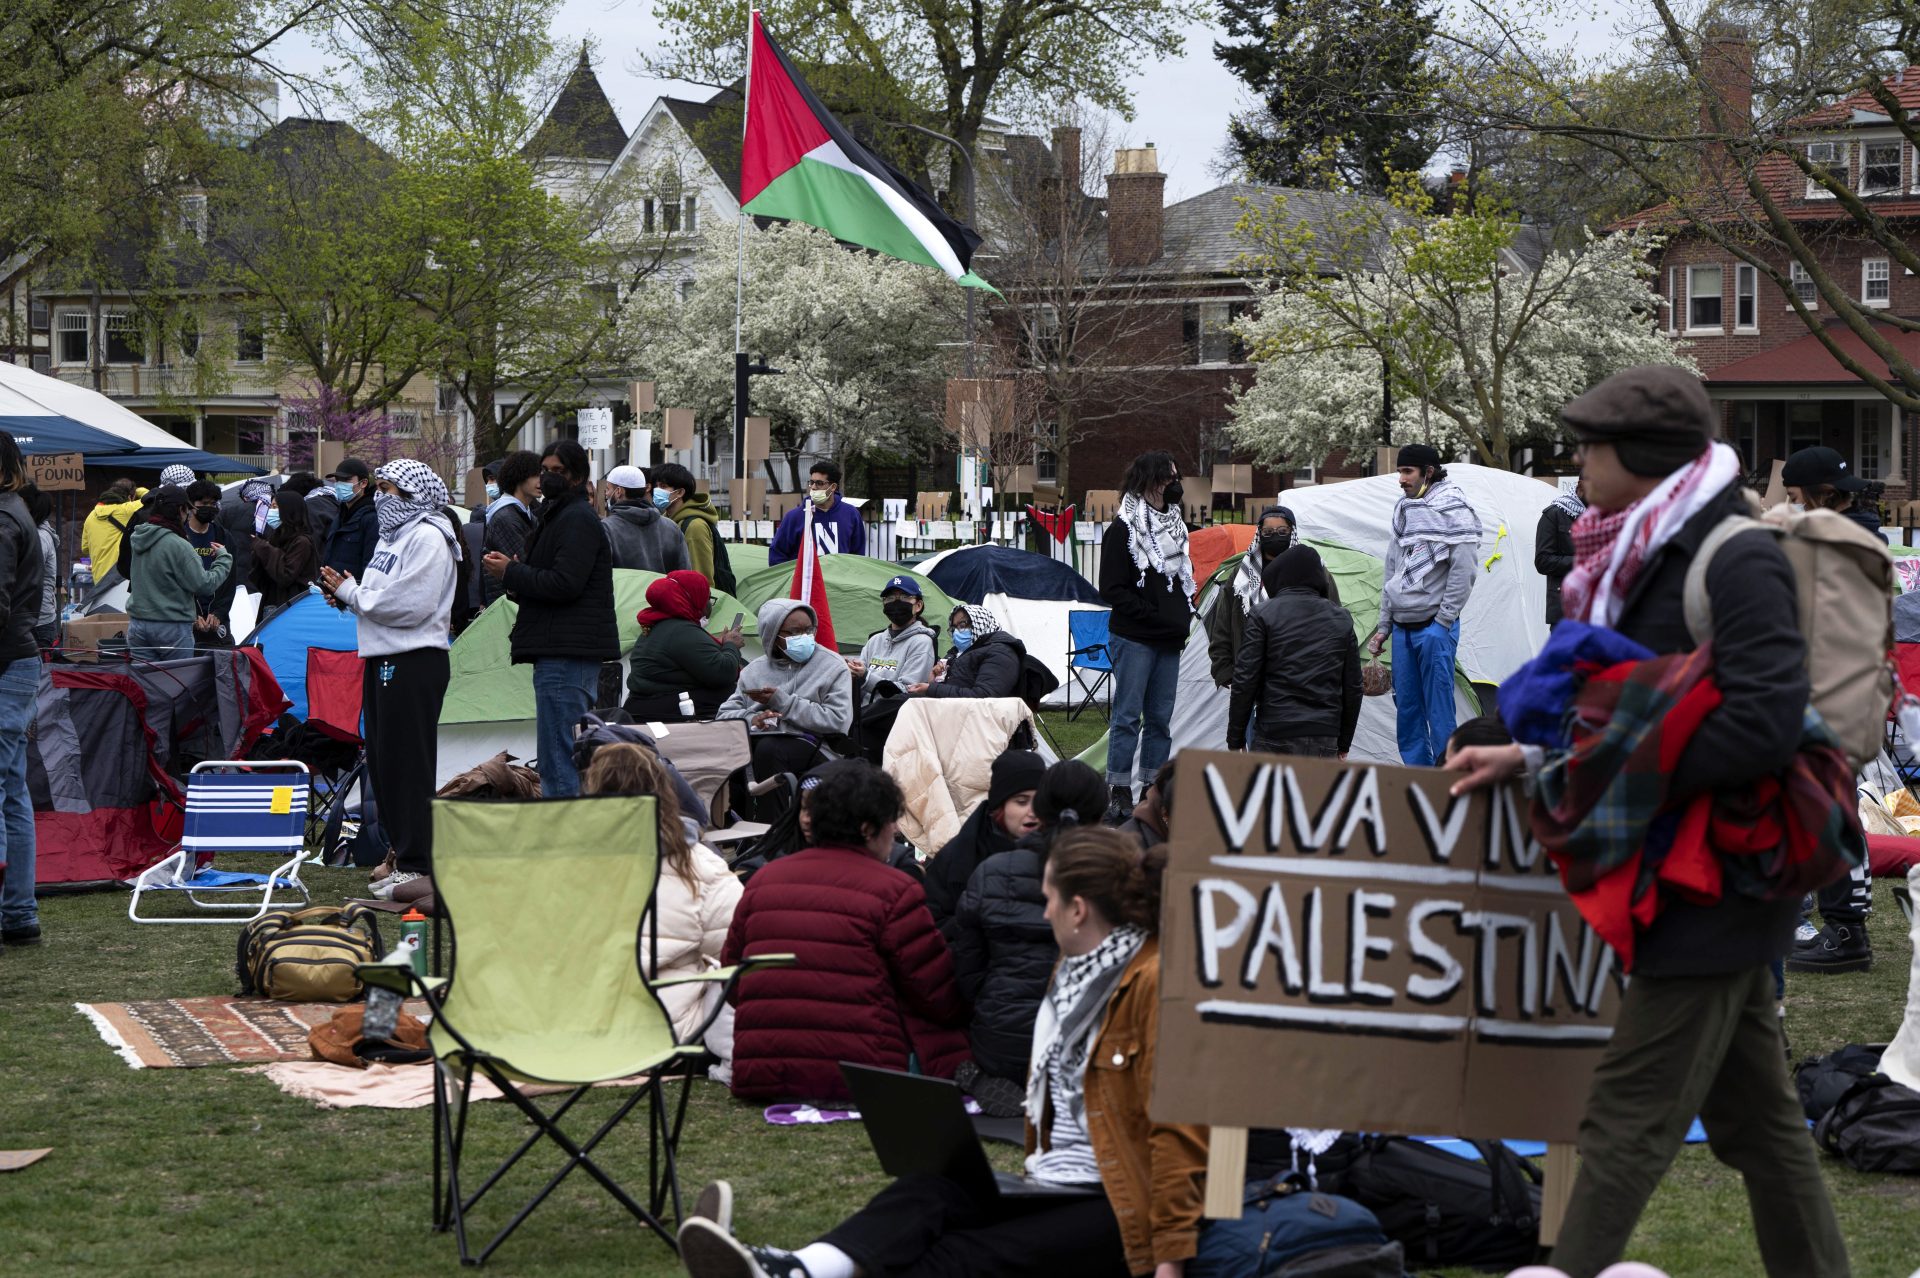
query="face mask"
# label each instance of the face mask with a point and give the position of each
(206, 514)
(663, 497)
(821, 496)
(1273, 544)
(1173, 494)
(898, 611)
(800, 648)
(962, 640)
(344, 491)
(1797, 507)
(552, 483)
(493, 492)
(273, 517)
(380, 500)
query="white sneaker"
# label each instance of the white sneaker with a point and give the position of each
(384, 888)
(708, 1251)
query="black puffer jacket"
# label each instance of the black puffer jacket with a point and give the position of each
(948, 873)
(565, 586)
(22, 573)
(1003, 956)
(990, 667)
(1299, 668)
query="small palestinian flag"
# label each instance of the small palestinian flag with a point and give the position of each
(800, 164)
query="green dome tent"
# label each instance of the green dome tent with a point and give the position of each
(854, 583)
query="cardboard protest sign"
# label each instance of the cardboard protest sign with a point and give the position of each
(57, 472)
(1346, 945)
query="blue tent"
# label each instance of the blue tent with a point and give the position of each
(47, 415)
(284, 636)
(974, 572)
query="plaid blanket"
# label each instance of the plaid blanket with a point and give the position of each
(1624, 845)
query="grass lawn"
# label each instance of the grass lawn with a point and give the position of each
(211, 1171)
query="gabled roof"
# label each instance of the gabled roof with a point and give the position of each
(1202, 233)
(1806, 361)
(1862, 108)
(582, 124)
(719, 146)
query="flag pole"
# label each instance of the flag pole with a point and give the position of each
(740, 290)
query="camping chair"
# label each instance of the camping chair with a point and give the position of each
(234, 807)
(334, 691)
(548, 988)
(1087, 656)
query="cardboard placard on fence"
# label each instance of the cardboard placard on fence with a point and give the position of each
(1235, 477)
(678, 430)
(57, 472)
(475, 487)
(594, 425)
(748, 497)
(932, 505)
(327, 457)
(778, 504)
(757, 428)
(1386, 459)
(640, 397)
(1411, 957)
(1101, 504)
(1020, 479)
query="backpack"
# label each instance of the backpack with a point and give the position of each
(1289, 1229)
(123, 561)
(1874, 1127)
(722, 567)
(1444, 1209)
(1845, 584)
(307, 956)
(1822, 1080)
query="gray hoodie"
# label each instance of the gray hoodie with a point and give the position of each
(645, 539)
(405, 601)
(903, 658)
(815, 696)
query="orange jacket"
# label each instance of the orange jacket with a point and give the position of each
(1154, 1173)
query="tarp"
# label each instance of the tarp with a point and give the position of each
(971, 573)
(854, 583)
(47, 415)
(285, 634)
(1212, 546)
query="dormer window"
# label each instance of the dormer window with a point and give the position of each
(1880, 168)
(1828, 158)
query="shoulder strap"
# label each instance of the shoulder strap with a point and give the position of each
(1699, 608)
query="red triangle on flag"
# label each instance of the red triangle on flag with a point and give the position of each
(781, 127)
(810, 588)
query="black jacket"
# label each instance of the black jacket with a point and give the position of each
(1759, 665)
(506, 533)
(1299, 668)
(235, 522)
(990, 667)
(1553, 554)
(354, 537)
(323, 514)
(1003, 957)
(947, 874)
(22, 574)
(1154, 613)
(564, 586)
(1868, 517)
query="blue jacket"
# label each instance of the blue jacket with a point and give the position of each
(354, 537)
(840, 531)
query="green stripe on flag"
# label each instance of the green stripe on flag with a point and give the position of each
(843, 204)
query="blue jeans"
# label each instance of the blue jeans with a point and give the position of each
(1423, 690)
(1145, 680)
(563, 689)
(159, 640)
(19, 686)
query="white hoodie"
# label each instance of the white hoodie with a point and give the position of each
(405, 601)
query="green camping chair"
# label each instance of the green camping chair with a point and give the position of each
(548, 987)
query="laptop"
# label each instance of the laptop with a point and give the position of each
(919, 1126)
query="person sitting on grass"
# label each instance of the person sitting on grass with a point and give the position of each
(675, 653)
(873, 982)
(692, 906)
(1085, 1126)
(985, 660)
(792, 831)
(1153, 816)
(1487, 730)
(1003, 818)
(797, 687)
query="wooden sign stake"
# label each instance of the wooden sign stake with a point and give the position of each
(1556, 1190)
(1226, 1173)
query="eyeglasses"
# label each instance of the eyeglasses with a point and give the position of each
(818, 485)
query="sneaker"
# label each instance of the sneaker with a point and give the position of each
(384, 888)
(26, 934)
(715, 1203)
(1804, 933)
(708, 1251)
(1836, 948)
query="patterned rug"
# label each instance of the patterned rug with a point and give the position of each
(184, 1033)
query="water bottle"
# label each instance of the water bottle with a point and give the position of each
(686, 705)
(415, 931)
(383, 1005)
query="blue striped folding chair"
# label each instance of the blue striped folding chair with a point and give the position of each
(234, 808)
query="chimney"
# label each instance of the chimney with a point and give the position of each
(1066, 156)
(1726, 74)
(1135, 220)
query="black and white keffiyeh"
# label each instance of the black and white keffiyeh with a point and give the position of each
(424, 494)
(1432, 527)
(1248, 585)
(1075, 1004)
(1157, 540)
(983, 621)
(1572, 504)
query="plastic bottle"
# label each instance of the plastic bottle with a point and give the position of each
(686, 705)
(415, 929)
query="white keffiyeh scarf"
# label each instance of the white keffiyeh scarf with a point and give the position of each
(425, 493)
(1075, 1004)
(1157, 540)
(1432, 527)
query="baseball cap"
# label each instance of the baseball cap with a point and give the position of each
(351, 468)
(1812, 467)
(905, 585)
(631, 478)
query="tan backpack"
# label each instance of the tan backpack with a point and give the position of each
(308, 956)
(1844, 578)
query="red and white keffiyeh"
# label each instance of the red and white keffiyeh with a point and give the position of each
(1610, 547)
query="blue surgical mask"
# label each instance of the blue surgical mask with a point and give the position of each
(962, 640)
(493, 492)
(663, 497)
(273, 516)
(344, 490)
(800, 648)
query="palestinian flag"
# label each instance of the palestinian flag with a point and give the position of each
(810, 586)
(798, 163)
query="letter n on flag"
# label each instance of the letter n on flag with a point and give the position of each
(810, 585)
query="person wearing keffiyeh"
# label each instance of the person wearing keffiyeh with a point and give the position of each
(1712, 735)
(1553, 544)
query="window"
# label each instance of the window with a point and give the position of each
(446, 399)
(646, 215)
(42, 363)
(186, 341)
(403, 425)
(122, 333)
(1876, 443)
(1046, 466)
(1703, 297)
(73, 346)
(1746, 435)
(193, 216)
(1746, 287)
(1827, 157)
(39, 315)
(1880, 168)
(691, 216)
(1207, 328)
(1804, 287)
(1804, 427)
(250, 341)
(670, 216)
(1876, 282)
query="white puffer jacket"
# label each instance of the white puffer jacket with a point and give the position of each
(693, 925)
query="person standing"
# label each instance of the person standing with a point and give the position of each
(20, 588)
(168, 581)
(1297, 678)
(838, 528)
(1696, 1031)
(693, 513)
(354, 537)
(404, 610)
(285, 561)
(46, 629)
(323, 516)
(205, 535)
(565, 626)
(106, 524)
(1553, 544)
(1429, 575)
(509, 520)
(642, 537)
(1146, 577)
(1277, 531)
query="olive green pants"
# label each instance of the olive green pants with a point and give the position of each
(1708, 1045)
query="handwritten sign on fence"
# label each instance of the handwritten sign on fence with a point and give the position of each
(1345, 945)
(57, 472)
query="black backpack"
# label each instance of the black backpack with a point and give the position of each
(1865, 1119)
(1444, 1209)
(1823, 1080)
(722, 567)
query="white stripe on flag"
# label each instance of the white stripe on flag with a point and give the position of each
(829, 153)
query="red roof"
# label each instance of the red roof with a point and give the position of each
(1905, 88)
(1806, 362)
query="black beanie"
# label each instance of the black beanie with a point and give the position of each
(1420, 455)
(1297, 566)
(1014, 771)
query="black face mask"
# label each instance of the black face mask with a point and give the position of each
(898, 611)
(1273, 545)
(206, 514)
(1173, 494)
(553, 484)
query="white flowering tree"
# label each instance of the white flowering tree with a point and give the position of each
(857, 335)
(1477, 346)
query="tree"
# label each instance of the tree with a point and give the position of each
(371, 434)
(857, 336)
(1342, 89)
(1477, 347)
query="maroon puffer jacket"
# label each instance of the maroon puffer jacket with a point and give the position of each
(873, 981)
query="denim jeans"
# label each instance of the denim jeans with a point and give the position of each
(1145, 680)
(1423, 690)
(159, 640)
(563, 690)
(19, 686)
